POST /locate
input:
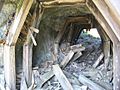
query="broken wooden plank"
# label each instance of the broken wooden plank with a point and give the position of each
(9, 67)
(2, 87)
(89, 83)
(76, 56)
(32, 37)
(98, 60)
(101, 20)
(18, 22)
(106, 45)
(67, 59)
(34, 29)
(23, 85)
(44, 78)
(62, 78)
(77, 48)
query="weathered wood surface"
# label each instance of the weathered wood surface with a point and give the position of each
(67, 59)
(27, 63)
(101, 20)
(50, 74)
(18, 22)
(114, 8)
(9, 67)
(76, 56)
(103, 8)
(97, 62)
(62, 78)
(89, 83)
(116, 66)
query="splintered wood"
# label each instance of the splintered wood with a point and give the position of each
(62, 78)
(67, 59)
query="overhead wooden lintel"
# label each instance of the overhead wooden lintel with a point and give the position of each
(64, 1)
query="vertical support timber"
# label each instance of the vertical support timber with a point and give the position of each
(116, 66)
(27, 63)
(9, 67)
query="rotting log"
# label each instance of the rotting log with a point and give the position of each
(62, 78)
(67, 59)
(114, 8)
(50, 74)
(97, 62)
(9, 67)
(18, 23)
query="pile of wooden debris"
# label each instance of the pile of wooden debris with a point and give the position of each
(76, 68)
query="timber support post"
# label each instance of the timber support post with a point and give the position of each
(9, 67)
(116, 66)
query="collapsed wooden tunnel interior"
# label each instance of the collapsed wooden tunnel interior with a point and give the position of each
(51, 45)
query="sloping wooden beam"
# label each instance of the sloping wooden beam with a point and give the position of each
(105, 11)
(114, 7)
(101, 21)
(18, 23)
(28, 45)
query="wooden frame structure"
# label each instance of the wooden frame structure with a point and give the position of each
(102, 10)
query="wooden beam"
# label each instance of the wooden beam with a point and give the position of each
(18, 23)
(101, 21)
(67, 59)
(27, 63)
(104, 9)
(62, 78)
(89, 83)
(9, 67)
(116, 66)
(97, 62)
(114, 8)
